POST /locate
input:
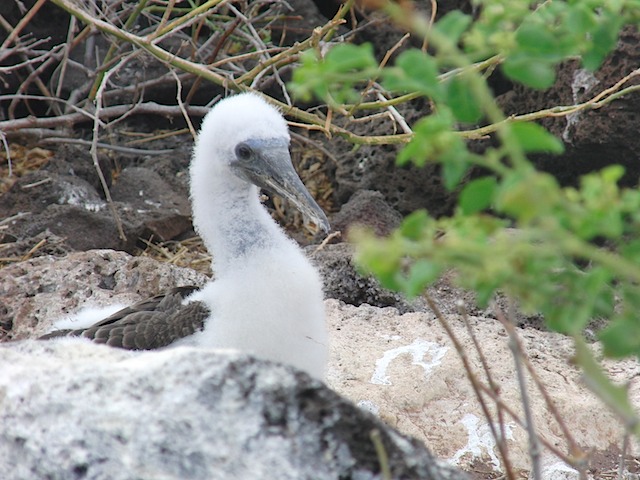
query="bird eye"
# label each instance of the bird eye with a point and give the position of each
(243, 151)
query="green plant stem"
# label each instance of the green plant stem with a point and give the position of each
(316, 36)
(558, 111)
(180, 21)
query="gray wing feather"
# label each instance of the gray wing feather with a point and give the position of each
(149, 324)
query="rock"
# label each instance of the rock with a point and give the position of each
(366, 208)
(72, 409)
(405, 369)
(163, 213)
(593, 138)
(44, 243)
(76, 161)
(35, 191)
(402, 368)
(342, 281)
(70, 207)
(373, 167)
(81, 228)
(35, 293)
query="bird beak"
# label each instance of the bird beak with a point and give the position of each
(272, 170)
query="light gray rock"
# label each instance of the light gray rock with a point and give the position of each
(406, 370)
(70, 409)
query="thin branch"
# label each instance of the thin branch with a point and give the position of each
(34, 76)
(113, 47)
(517, 354)
(475, 383)
(107, 146)
(65, 56)
(5, 145)
(502, 438)
(28, 17)
(372, 81)
(396, 116)
(185, 20)
(94, 151)
(182, 107)
(600, 100)
(70, 119)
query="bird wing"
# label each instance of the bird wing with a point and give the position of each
(149, 324)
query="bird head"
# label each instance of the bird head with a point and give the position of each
(251, 140)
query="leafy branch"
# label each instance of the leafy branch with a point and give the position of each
(515, 230)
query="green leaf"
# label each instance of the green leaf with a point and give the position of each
(604, 40)
(580, 294)
(461, 100)
(534, 38)
(433, 137)
(581, 20)
(333, 77)
(530, 71)
(455, 164)
(378, 256)
(612, 173)
(414, 224)
(347, 57)
(415, 71)
(534, 138)
(622, 337)
(453, 25)
(477, 195)
(421, 274)
(528, 195)
(631, 250)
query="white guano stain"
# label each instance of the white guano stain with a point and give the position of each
(428, 355)
(583, 81)
(480, 440)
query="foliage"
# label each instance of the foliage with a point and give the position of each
(515, 229)
(333, 78)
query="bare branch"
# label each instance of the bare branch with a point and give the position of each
(14, 126)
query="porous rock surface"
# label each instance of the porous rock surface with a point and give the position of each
(366, 209)
(74, 410)
(342, 280)
(70, 207)
(373, 167)
(593, 138)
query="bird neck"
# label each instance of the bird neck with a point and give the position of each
(234, 225)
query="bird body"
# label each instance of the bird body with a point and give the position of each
(266, 297)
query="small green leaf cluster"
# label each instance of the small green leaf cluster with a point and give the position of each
(334, 75)
(534, 36)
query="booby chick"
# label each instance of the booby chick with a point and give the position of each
(266, 297)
